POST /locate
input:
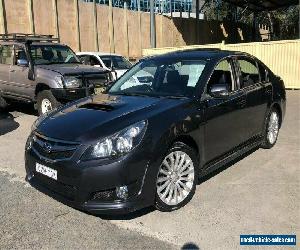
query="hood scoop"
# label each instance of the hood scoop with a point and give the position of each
(97, 106)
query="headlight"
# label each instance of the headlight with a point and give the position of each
(72, 82)
(118, 144)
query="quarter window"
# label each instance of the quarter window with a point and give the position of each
(249, 73)
(6, 55)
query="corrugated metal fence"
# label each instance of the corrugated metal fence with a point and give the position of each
(282, 57)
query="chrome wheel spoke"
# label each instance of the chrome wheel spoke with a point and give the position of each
(162, 179)
(162, 187)
(166, 164)
(186, 172)
(185, 187)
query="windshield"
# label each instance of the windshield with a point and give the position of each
(52, 54)
(118, 62)
(176, 78)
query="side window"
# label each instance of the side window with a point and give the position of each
(222, 77)
(94, 61)
(6, 55)
(249, 72)
(107, 61)
(20, 55)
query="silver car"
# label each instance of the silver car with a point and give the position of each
(40, 70)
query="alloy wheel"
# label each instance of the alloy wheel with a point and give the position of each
(46, 106)
(273, 127)
(175, 178)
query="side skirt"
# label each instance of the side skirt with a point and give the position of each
(229, 157)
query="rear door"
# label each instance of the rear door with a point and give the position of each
(6, 60)
(225, 116)
(250, 82)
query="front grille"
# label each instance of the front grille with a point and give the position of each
(53, 149)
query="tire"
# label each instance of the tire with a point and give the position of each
(271, 130)
(183, 185)
(45, 98)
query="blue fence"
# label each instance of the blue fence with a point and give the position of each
(161, 6)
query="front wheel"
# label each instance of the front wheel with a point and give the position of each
(272, 129)
(177, 177)
(46, 102)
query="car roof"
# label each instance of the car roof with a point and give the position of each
(97, 53)
(204, 54)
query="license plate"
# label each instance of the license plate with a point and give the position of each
(46, 171)
(99, 90)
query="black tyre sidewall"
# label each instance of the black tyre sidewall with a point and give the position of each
(159, 204)
(266, 144)
(46, 94)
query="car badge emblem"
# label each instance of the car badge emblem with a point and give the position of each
(47, 147)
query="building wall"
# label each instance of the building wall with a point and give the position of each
(85, 26)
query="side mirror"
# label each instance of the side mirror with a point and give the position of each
(22, 62)
(219, 90)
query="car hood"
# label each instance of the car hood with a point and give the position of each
(72, 69)
(98, 116)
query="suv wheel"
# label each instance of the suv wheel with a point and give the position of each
(272, 129)
(46, 102)
(177, 177)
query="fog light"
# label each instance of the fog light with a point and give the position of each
(122, 192)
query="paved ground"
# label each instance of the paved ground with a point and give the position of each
(257, 195)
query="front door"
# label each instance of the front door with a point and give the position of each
(224, 128)
(6, 60)
(19, 75)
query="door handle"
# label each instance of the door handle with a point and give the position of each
(12, 70)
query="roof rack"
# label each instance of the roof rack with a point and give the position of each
(22, 37)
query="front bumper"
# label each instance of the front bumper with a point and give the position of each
(66, 95)
(91, 185)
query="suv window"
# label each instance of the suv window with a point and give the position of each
(52, 54)
(20, 54)
(249, 72)
(6, 55)
(222, 75)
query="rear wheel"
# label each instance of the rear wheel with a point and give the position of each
(46, 102)
(272, 129)
(176, 179)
